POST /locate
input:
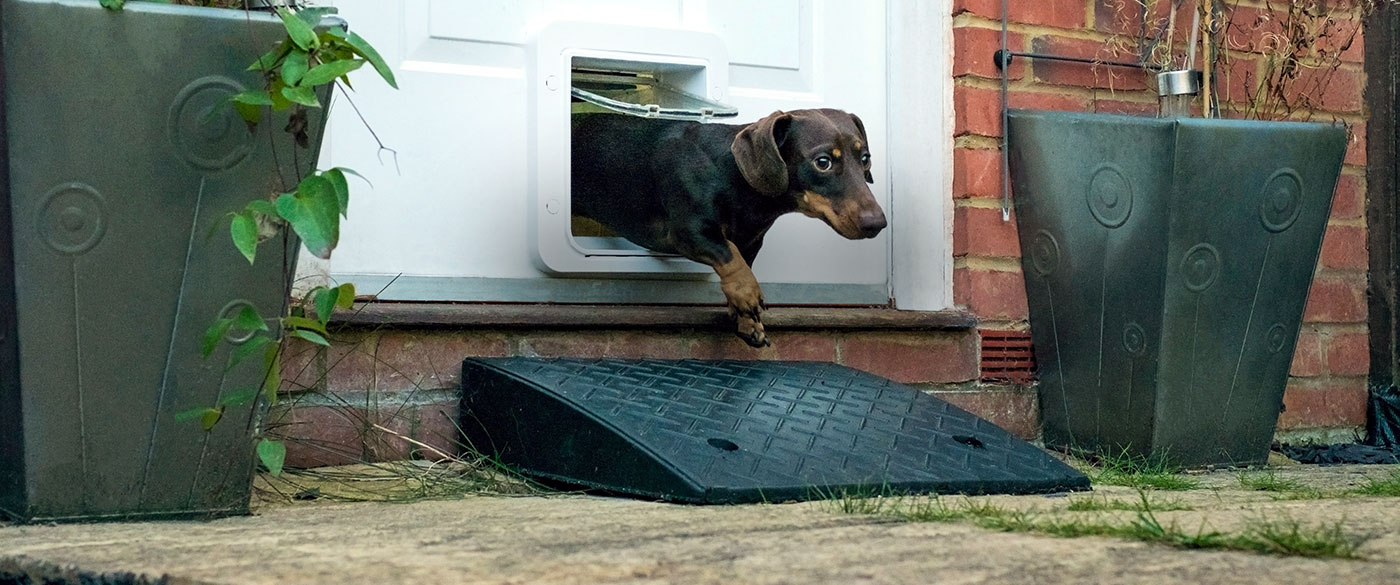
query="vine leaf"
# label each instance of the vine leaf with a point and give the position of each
(313, 211)
(311, 336)
(347, 296)
(243, 350)
(214, 333)
(272, 454)
(328, 72)
(302, 94)
(299, 323)
(362, 48)
(245, 235)
(299, 31)
(295, 66)
(326, 301)
(208, 417)
(248, 319)
(336, 176)
(268, 61)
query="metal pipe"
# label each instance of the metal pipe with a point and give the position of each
(1005, 153)
(1004, 57)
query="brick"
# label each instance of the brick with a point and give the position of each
(1332, 89)
(1131, 108)
(1047, 100)
(1335, 300)
(974, 52)
(349, 362)
(913, 357)
(1253, 29)
(318, 436)
(976, 111)
(1082, 74)
(1334, 403)
(1355, 50)
(1307, 357)
(991, 294)
(1237, 83)
(977, 173)
(787, 345)
(1015, 411)
(1356, 144)
(1349, 354)
(301, 365)
(1349, 200)
(1125, 17)
(1056, 13)
(603, 344)
(1344, 247)
(981, 232)
(426, 360)
(431, 424)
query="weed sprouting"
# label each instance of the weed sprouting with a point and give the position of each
(1137, 471)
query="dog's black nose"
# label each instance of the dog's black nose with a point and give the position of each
(871, 222)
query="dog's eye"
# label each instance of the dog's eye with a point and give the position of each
(823, 163)
(865, 160)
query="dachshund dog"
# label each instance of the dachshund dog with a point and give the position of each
(709, 192)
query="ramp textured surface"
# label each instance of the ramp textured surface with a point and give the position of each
(729, 431)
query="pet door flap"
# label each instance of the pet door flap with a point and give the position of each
(643, 96)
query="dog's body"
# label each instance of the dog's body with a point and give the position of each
(710, 192)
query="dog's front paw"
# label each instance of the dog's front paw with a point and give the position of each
(750, 329)
(748, 318)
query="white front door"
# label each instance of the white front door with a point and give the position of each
(447, 216)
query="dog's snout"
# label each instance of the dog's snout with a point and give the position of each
(871, 222)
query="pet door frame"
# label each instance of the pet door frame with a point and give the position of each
(687, 68)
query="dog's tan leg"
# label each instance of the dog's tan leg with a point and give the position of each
(745, 298)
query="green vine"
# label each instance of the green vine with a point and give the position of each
(293, 71)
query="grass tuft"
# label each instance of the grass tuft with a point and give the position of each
(1140, 472)
(1288, 537)
(1390, 486)
(1092, 504)
(1282, 489)
(1284, 537)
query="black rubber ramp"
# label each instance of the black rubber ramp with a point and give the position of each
(735, 431)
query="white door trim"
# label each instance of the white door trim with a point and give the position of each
(920, 138)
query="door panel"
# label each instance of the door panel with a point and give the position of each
(449, 213)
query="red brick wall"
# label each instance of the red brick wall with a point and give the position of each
(1327, 388)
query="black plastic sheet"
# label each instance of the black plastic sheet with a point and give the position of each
(1382, 444)
(1383, 417)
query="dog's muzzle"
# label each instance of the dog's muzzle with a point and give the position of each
(871, 221)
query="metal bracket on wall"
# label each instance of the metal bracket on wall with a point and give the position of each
(1002, 57)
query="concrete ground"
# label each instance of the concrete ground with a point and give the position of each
(569, 539)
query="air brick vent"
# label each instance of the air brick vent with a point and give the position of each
(1007, 357)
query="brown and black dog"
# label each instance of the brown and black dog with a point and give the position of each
(709, 192)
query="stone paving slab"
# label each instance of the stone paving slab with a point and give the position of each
(574, 539)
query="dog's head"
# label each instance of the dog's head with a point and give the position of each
(821, 158)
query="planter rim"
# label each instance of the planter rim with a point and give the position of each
(167, 8)
(1154, 121)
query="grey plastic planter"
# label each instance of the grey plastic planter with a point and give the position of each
(1167, 264)
(115, 255)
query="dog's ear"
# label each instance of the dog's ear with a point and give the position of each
(756, 151)
(869, 178)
